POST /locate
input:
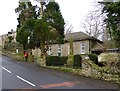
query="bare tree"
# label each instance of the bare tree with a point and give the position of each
(68, 27)
(93, 23)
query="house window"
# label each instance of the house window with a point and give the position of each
(82, 46)
(68, 49)
(49, 51)
(59, 50)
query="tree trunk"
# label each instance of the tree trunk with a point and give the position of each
(43, 55)
(41, 11)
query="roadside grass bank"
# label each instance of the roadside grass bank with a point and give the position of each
(12, 55)
(18, 56)
(80, 72)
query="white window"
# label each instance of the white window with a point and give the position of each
(59, 50)
(49, 51)
(82, 46)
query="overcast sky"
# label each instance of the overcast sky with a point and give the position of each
(73, 11)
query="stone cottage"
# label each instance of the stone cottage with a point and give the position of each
(82, 44)
(4, 38)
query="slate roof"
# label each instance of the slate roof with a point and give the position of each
(77, 36)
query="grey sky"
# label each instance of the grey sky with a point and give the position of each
(73, 11)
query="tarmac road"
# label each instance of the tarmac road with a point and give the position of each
(25, 75)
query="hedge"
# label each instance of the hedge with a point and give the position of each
(77, 61)
(56, 60)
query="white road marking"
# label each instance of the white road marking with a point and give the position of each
(6, 70)
(25, 81)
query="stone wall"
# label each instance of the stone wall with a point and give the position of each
(92, 70)
(109, 57)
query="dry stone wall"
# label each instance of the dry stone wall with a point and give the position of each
(90, 69)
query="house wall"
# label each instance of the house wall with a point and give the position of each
(36, 52)
(4, 38)
(65, 49)
(1, 40)
(76, 48)
(54, 49)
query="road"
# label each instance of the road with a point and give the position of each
(25, 75)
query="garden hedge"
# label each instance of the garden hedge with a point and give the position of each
(77, 61)
(56, 60)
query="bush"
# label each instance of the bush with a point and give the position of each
(77, 61)
(56, 60)
(94, 58)
(63, 60)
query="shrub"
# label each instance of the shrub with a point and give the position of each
(51, 60)
(94, 58)
(63, 60)
(56, 60)
(77, 61)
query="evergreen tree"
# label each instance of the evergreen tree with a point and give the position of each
(112, 9)
(42, 28)
(26, 16)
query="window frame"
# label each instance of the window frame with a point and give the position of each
(59, 50)
(82, 48)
